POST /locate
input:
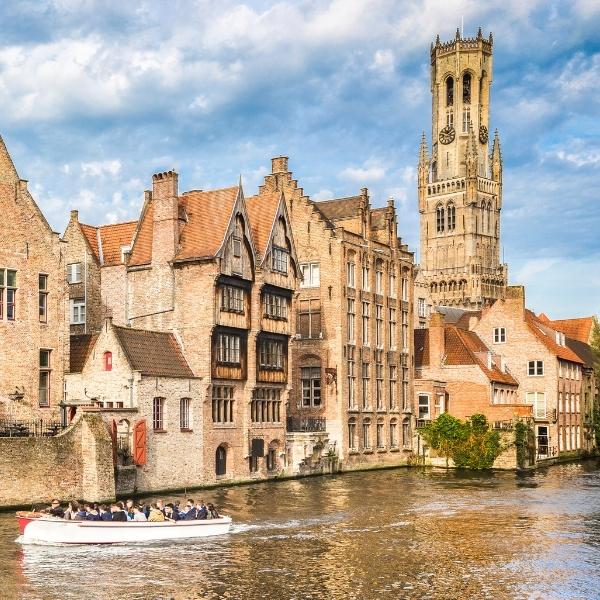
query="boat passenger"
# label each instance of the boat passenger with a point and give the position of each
(155, 514)
(105, 514)
(201, 510)
(118, 514)
(170, 513)
(138, 514)
(190, 511)
(55, 509)
(160, 504)
(92, 513)
(212, 511)
(71, 511)
(129, 509)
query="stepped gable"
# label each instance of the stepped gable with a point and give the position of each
(339, 208)
(81, 346)
(153, 353)
(542, 332)
(577, 329)
(105, 241)
(208, 215)
(378, 218)
(262, 211)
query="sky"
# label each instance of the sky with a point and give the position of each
(97, 95)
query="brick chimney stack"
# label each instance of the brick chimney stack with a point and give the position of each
(437, 346)
(279, 164)
(165, 198)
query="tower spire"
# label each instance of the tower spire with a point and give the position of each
(471, 154)
(423, 172)
(496, 159)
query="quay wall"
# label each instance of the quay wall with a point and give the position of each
(75, 464)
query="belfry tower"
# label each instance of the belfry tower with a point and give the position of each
(460, 183)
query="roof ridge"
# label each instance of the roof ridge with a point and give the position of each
(227, 187)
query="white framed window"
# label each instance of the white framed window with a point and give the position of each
(351, 319)
(538, 401)
(392, 283)
(499, 335)
(424, 411)
(535, 367)
(379, 278)
(158, 414)
(365, 323)
(228, 348)
(422, 308)
(311, 276)
(124, 251)
(184, 413)
(350, 274)
(77, 311)
(74, 273)
(365, 278)
(279, 260)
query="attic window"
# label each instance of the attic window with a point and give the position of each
(124, 250)
(279, 260)
(108, 361)
(237, 247)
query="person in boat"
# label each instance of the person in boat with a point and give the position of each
(105, 514)
(189, 513)
(201, 510)
(129, 509)
(155, 513)
(55, 509)
(138, 514)
(170, 513)
(92, 512)
(160, 504)
(118, 514)
(212, 511)
(71, 511)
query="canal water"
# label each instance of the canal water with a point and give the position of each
(381, 534)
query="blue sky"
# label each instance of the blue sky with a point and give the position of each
(98, 95)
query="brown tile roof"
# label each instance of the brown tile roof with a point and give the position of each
(461, 348)
(539, 329)
(141, 253)
(81, 346)
(154, 353)
(261, 212)
(378, 218)
(112, 237)
(583, 350)
(578, 329)
(208, 216)
(340, 208)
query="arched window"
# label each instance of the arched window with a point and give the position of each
(221, 461)
(451, 216)
(489, 216)
(108, 361)
(449, 91)
(406, 439)
(439, 213)
(366, 431)
(467, 88)
(352, 434)
(393, 433)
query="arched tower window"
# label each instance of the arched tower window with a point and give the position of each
(451, 216)
(449, 91)
(467, 88)
(439, 214)
(489, 216)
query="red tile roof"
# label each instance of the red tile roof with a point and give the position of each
(112, 238)
(261, 212)
(577, 329)
(81, 346)
(141, 253)
(542, 332)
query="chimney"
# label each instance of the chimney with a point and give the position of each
(279, 164)
(515, 295)
(75, 215)
(166, 216)
(437, 345)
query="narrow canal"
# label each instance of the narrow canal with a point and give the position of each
(387, 534)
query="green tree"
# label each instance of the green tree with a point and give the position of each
(470, 444)
(595, 346)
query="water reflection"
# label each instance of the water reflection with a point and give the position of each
(392, 534)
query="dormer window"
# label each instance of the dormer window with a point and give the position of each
(237, 246)
(560, 338)
(124, 251)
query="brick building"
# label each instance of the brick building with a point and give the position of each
(96, 272)
(33, 335)
(351, 377)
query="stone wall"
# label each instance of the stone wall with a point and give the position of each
(75, 464)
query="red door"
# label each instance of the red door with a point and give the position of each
(140, 442)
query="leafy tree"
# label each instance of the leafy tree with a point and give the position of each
(470, 444)
(595, 346)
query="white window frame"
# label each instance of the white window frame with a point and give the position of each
(77, 311)
(351, 274)
(311, 275)
(74, 273)
(538, 401)
(420, 404)
(499, 335)
(535, 368)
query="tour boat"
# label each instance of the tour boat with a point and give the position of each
(40, 528)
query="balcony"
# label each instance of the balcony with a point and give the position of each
(422, 423)
(306, 424)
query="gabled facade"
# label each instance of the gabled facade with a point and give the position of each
(219, 273)
(33, 336)
(351, 383)
(95, 272)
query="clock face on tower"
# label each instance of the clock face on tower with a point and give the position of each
(483, 134)
(447, 135)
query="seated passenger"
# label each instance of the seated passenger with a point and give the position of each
(155, 514)
(92, 513)
(212, 511)
(129, 509)
(71, 510)
(190, 512)
(55, 509)
(118, 514)
(138, 514)
(170, 513)
(105, 514)
(201, 511)
(160, 504)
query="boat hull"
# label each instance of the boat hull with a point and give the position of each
(60, 531)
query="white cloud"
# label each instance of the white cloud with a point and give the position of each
(383, 61)
(101, 168)
(323, 194)
(369, 172)
(533, 267)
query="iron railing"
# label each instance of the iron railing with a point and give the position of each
(31, 428)
(306, 424)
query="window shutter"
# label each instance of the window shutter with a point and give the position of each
(140, 452)
(113, 435)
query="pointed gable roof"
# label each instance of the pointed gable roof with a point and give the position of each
(577, 329)
(141, 252)
(105, 241)
(81, 346)
(542, 331)
(208, 217)
(262, 211)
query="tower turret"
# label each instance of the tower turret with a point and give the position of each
(496, 159)
(423, 172)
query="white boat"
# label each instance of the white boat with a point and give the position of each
(36, 528)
